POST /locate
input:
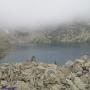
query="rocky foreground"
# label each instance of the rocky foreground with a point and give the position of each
(31, 75)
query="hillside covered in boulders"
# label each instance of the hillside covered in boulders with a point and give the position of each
(32, 75)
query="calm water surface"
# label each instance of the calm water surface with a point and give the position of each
(47, 53)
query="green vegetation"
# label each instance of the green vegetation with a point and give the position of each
(40, 41)
(4, 46)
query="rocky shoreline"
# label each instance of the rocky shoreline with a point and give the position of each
(33, 75)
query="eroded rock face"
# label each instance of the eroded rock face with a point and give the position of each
(32, 75)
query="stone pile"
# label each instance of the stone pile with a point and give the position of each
(32, 75)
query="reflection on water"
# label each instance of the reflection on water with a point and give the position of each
(59, 53)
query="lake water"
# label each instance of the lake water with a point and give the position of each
(47, 53)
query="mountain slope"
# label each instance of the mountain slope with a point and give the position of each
(74, 32)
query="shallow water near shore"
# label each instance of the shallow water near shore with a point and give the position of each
(59, 53)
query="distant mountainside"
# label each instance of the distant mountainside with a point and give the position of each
(74, 32)
(68, 32)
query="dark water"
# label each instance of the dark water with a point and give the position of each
(48, 53)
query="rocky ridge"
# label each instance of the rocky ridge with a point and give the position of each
(32, 75)
(71, 32)
(74, 32)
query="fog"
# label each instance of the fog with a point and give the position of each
(40, 12)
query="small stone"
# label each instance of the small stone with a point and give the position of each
(69, 63)
(78, 74)
(80, 61)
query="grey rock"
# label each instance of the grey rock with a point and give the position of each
(32, 75)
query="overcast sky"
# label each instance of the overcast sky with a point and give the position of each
(35, 12)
